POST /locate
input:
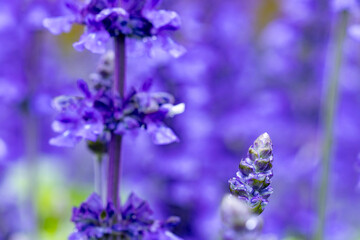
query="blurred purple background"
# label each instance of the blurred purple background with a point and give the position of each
(250, 67)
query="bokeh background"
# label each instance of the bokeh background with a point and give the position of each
(251, 66)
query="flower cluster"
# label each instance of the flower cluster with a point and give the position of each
(92, 220)
(138, 223)
(111, 18)
(252, 181)
(135, 221)
(98, 112)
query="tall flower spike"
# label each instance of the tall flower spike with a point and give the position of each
(252, 181)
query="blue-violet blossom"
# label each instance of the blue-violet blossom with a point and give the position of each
(93, 221)
(104, 19)
(99, 112)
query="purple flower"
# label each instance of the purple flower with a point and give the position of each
(135, 221)
(92, 220)
(252, 181)
(98, 112)
(77, 120)
(90, 117)
(105, 18)
(138, 222)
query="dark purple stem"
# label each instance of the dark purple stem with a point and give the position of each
(115, 142)
(120, 64)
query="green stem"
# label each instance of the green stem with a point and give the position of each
(98, 175)
(31, 145)
(335, 60)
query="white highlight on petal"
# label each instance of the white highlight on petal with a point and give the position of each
(177, 109)
(108, 11)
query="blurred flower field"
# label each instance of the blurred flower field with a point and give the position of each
(169, 120)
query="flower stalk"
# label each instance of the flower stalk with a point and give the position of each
(114, 168)
(331, 97)
(98, 175)
(103, 114)
(120, 65)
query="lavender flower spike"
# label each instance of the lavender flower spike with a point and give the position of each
(252, 181)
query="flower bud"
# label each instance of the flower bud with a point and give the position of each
(252, 181)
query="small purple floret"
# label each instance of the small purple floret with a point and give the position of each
(98, 112)
(93, 221)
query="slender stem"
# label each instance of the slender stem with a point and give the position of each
(120, 65)
(336, 58)
(114, 167)
(98, 174)
(31, 145)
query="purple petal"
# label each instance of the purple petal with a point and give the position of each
(128, 123)
(58, 126)
(94, 42)
(82, 85)
(62, 103)
(112, 2)
(153, 3)
(94, 202)
(120, 129)
(161, 134)
(77, 236)
(174, 49)
(163, 19)
(65, 140)
(109, 11)
(133, 6)
(90, 131)
(58, 25)
(137, 206)
(146, 85)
